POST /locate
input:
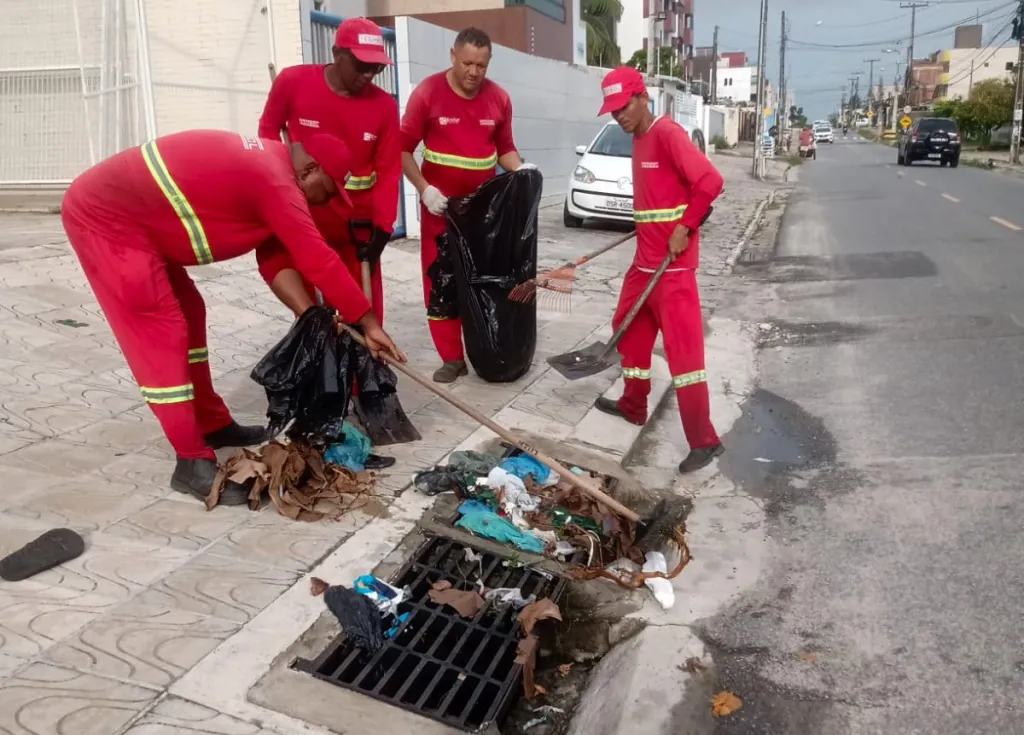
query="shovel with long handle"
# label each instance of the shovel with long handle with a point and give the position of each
(598, 357)
(552, 464)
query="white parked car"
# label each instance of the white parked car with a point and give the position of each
(823, 133)
(601, 185)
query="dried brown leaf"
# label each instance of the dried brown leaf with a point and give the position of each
(535, 612)
(693, 665)
(564, 669)
(317, 586)
(808, 656)
(725, 703)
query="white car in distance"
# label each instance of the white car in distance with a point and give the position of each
(823, 133)
(601, 185)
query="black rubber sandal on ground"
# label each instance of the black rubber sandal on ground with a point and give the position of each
(698, 459)
(451, 371)
(610, 407)
(53, 548)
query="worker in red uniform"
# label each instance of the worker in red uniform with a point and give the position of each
(137, 219)
(464, 121)
(341, 99)
(674, 185)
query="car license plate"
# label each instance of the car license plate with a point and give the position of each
(940, 140)
(934, 155)
(623, 205)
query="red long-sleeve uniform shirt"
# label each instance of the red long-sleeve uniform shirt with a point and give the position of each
(233, 194)
(673, 183)
(301, 99)
(462, 138)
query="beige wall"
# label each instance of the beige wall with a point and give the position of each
(421, 7)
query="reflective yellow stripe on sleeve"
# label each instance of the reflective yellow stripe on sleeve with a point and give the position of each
(174, 394)
(361, 183)
(697, 376)
(198, 354)
(194, 228)
(645, 216)
(470, 164)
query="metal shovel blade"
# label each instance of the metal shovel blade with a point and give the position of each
(591, 360)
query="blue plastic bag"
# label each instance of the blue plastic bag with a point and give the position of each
(481, 521)
(523, 465)
(351, 453)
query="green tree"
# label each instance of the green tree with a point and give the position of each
(990, 105)
(665, 62)
(599, 18)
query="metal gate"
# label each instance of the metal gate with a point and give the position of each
(72, 87)
(323, 28)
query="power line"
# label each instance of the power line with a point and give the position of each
(995, 49)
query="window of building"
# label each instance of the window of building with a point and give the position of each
(551, 8)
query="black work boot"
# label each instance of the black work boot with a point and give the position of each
(195, 477)
(378, 462)
(235, 435)
(610, 407)
(700, 458)
(448, 372)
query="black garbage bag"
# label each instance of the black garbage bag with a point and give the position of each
(308, 379)
(493, 248)
(444, 295)
(358, 615)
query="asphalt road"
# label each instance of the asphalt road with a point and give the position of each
(886, 445)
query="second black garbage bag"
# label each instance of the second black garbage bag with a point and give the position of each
(492, 245)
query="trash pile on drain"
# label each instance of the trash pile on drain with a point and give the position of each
(519, 502)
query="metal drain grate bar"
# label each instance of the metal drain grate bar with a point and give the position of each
(460, 672)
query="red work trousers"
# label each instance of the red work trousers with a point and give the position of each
(673, 308)
(158, 318)
(446, 333)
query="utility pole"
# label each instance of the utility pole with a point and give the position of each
(842, 108)
(652, 51)
(910, 49)
(871, 81)
(714, 68)
(1018, 97)
(782, 106)
(759, 118)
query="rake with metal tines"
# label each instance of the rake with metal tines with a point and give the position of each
(558, 282)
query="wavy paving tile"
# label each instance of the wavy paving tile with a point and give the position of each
(175, 716)
(146, 644)
(296, 547)
(126, 432)
(49, 700)
(223, 588)
(136, 470)
(83, 504)
(60, 458)
(19, 484)
(179, 524)
(31, 623)
(111, 567)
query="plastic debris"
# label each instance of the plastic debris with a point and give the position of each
(534, 722)
(384, 596)
(661, 588)
(510, 596)
(480, 520)
(352, 452)
(524, 466)
(357, 614)
(514, 493)
(440, 480)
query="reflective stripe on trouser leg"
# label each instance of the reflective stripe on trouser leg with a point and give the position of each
(446, 333)
(636, 347)
(171, 394)
(130, 280)
(211, 411)
(682, 326)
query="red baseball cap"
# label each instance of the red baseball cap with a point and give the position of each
(619, 86)
(364, 39)
(333, 156)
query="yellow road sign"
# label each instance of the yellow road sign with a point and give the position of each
(870, 113)
(905, 122)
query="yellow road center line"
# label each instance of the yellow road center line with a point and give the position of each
(919, 182)
(950, 197)
(1004, 223)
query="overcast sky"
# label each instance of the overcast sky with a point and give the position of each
(821, 58)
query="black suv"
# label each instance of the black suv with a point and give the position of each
(931, 139)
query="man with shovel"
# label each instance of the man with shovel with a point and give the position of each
(674, 185)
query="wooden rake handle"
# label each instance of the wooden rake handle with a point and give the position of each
(552, 464)
(613, 244)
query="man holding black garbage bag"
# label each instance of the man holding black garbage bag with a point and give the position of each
(137, 219)
(674, 185)
(464, 121)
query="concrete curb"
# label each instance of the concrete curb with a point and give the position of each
(749, 232)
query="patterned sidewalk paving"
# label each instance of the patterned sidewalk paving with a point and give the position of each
(91, 647)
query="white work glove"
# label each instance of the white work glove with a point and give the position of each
(528, 167)
(434, 200)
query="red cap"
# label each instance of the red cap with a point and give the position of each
(364, 39)
(333, 156)
(619, 86)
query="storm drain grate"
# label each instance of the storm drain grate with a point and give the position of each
(440, 665)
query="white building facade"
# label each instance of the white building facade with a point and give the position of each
(737, 84)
